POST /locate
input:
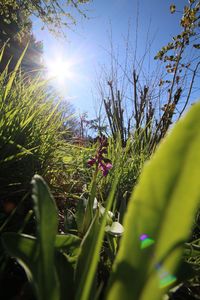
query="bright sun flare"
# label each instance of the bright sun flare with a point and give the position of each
(60, 70)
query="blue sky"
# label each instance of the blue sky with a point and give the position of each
(87, 45)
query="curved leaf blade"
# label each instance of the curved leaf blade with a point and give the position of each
(161, 209)
(68, 243)
(47, 222)
(23, 247)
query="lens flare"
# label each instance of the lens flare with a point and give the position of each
(146, 241)
(168, 280)
(165, 277)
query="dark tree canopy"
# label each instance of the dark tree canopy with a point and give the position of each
(15, 26)
(16, 37)
(53, 13)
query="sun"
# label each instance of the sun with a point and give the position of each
(63, 69)
(59, 69)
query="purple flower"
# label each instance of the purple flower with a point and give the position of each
(91, 162)
(109, 166)
(105, 168)
(101, 162)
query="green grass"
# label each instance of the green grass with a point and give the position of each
(30, 135)
(155, 198)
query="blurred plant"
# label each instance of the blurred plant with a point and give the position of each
(148, 261)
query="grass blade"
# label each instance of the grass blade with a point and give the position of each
(13, 74)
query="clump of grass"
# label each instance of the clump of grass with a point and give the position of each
(31, 134)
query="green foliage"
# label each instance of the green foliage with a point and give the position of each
(151, 242)
(90, 253)
(13, 75)
(16, 38)
(190, 27)
(179, 70)
(31, 137)
(130, 160)
(50, 257)
(64, 265)
(170, 177)
(45, 258)
(54, 13)
(45, 209)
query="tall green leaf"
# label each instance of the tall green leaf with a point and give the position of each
(161, 211)
(13, 74)
(2, 51)
(46, 214)
(65, 273)
(90, 251)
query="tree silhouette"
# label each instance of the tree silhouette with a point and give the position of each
(16, 37)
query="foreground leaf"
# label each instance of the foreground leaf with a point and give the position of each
(68, 243)
(160, 215)
(46, 215)
(65, 273)
(23, 247)
(87, 257)
(90, 251)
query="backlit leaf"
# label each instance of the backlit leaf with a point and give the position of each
(160, 215)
